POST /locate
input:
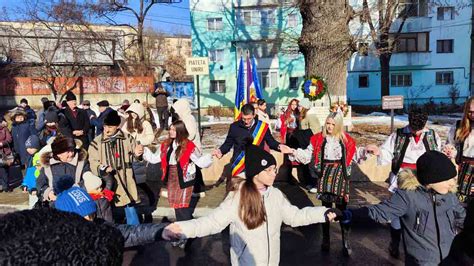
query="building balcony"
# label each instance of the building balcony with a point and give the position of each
(410, 59)
(412, 24)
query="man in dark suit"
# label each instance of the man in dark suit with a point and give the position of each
(78, 119)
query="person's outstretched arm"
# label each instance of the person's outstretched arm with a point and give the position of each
(213, 223)
(137, 235)
(294, 216)
(384, 212)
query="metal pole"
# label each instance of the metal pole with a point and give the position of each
(391, 120)
(199, 105)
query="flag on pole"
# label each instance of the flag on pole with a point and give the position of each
(249, 79)
(240, 92)
(257, 92)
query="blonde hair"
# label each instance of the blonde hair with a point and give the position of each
(338, 130)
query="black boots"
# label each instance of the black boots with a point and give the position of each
(326, 245)
(346, 247)
(395, 235)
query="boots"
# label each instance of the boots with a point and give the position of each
(346, 247)
(395, 235)
(326, 244)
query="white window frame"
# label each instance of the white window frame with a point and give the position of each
(220, 86)
(268, 79)
(267, 17)
(407, 80)
(445, 78)
(292, 20)
(216, 55)
(214, 24)
(445, 13)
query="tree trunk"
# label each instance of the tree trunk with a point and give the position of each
(384, 74)
(325, 42)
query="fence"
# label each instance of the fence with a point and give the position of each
(84, 85)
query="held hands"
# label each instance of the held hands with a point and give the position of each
(78, 133)
(139, 149)
(217, 153)
(51, 196)
(172, 232)
(336, 215)
(373, 149)
(285, 149)
(450, 151)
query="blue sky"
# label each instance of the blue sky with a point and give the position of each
(173, 18)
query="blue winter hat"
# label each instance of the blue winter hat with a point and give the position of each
(33, 142)
(76, 200)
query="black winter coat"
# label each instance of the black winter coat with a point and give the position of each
(239, 133)
(58, 169)
(137, 235)
(79, 122)
(98, 122)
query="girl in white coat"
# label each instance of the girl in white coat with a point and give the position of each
(255, 212)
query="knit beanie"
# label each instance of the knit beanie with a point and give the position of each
(417, 120)
(91, 181)
(33, 142)
(433, 167)
(70, 96)
(76, 200)
(112, 119)
(62, 144)
(51, 116)
(257, 160)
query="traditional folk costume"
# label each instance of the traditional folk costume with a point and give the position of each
(332, 158)
(465, 162)
(180, 173)
(403, 148)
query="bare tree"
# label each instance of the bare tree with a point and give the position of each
(326, 42)
(108, 9)
(385, 21)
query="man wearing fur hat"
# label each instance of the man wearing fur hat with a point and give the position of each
(66, 157)
(78, 119)
(111, 154)
(402, 149)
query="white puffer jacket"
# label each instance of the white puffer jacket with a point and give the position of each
(260, 246)
(147, 136)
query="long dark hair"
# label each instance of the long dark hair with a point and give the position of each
(134, 124)
(251, 209)
(181, 137)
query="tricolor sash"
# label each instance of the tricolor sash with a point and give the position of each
(258, 134)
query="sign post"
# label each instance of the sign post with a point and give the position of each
(391, 103)
(197, 66)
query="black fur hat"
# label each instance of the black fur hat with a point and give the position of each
(47, 236)
(70, 96)
(417, 119)
(112, 119)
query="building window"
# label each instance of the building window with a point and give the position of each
(412, 8)
(269, 79)
(412, 42)
(250, 17)
(292, 20)
(363, 81)
(214, 24)
(217, 86)
(444, 46)
(444, 78)
(293, 83)
(216, 55)
(259, 49)
(268, 17)
(446, 13)
(400, 80)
